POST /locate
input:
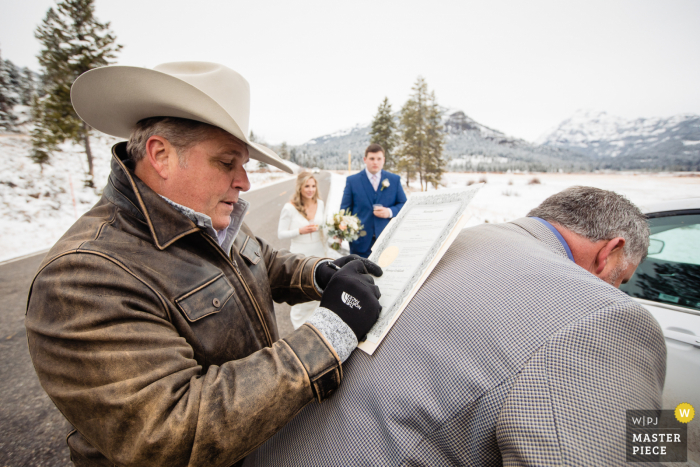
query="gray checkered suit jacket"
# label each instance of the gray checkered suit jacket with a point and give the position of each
(509, 354)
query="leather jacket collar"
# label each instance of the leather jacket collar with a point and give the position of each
(127, 191)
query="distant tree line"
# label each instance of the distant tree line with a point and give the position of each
(288, 153)
(18, 86)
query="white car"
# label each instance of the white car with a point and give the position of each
(667, 283)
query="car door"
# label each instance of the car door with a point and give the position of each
(667, 283)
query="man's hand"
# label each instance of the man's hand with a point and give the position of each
(384, 213)
(325, 271)
(352, 295)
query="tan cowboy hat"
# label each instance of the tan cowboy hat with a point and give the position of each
(112, 99)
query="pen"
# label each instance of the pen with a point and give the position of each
(333, 265)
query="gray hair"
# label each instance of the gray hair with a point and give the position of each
(180, 132)
(596, 215)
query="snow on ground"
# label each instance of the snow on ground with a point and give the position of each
(37, 207)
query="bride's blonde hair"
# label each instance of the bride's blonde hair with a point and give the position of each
(302, 178)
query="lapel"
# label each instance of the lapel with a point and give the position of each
(369, 189)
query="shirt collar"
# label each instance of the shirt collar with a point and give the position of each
(369, 174)
(558, 235)
(225, 237)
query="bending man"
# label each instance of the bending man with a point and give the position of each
(518, 350)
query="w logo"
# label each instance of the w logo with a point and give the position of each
(684, 412)
(350, 301)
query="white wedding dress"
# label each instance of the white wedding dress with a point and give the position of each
(308, 244)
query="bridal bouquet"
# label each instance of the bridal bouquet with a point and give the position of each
(343, 226)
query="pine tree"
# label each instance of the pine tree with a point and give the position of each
(253, 138)
(30, 86)
(73, 42)
(43, 141)
(412, 132)
(434, 162)
(383, 132)
(22, 83)
(7, 98)
(421, 137)
(283, 151)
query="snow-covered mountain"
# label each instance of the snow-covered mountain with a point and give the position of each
(655, 143)
(331, 151)
(468, 145)
(471, 145)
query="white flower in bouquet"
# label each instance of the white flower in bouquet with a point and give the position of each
(343, 226)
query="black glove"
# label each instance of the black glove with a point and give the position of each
(352, 295)
(325, 271)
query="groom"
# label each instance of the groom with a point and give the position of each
(375, 196)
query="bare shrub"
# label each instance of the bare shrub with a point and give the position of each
(470, 182)
(534, 181)
(510, 193)
(483, 180)
(510, 182)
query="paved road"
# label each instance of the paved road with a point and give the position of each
(32, 431)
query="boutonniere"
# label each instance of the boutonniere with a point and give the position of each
(385, 184)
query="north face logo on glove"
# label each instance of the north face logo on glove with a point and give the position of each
(350, 301)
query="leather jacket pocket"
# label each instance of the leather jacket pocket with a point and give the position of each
(206, 299)
(251, 251)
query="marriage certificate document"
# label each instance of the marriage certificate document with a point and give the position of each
(410, 247)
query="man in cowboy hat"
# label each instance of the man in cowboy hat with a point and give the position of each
(150, 323)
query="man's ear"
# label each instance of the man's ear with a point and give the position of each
(158, 154)
(606, 251)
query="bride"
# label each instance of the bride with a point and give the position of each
(300, 221)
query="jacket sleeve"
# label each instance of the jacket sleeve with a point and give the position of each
(567, 406)
(106, 352)
(286, 229)
(400, 198)
(291, 275)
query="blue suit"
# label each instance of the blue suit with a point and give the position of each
(359, 196)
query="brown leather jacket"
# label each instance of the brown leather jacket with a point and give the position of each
(159, 348)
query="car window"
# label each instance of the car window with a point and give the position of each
(671, 271)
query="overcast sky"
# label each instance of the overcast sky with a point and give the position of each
(316, 67)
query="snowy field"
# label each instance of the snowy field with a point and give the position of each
(37, 207)
(505, 197)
